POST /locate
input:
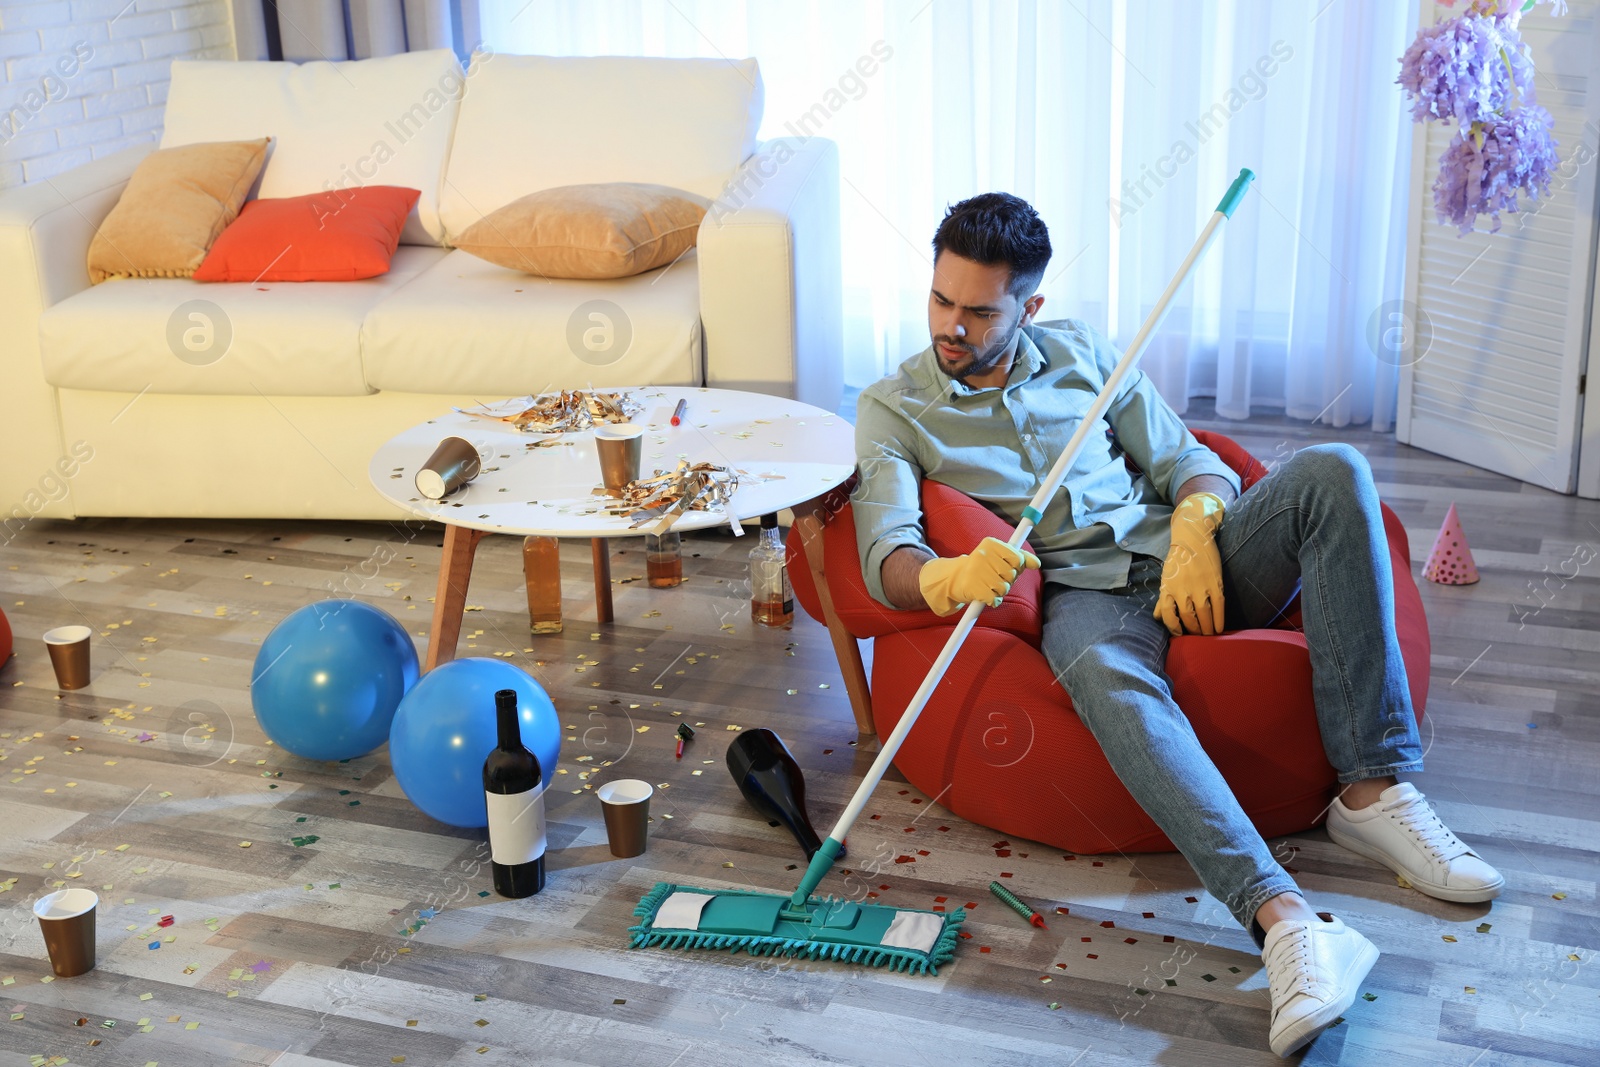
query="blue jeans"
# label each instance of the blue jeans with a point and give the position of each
(1312, 526)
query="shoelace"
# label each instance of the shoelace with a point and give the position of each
(1287, 973)
(1418, 818)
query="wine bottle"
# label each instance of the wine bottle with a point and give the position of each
(514, 789)
(773, 783)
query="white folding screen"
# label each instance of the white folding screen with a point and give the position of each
(1499, 324)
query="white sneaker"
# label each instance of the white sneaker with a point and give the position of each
(1401, 831)
(1314, 968)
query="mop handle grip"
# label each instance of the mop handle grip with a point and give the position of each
(1235, 193)
(823, 860)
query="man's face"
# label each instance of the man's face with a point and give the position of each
(972, 315)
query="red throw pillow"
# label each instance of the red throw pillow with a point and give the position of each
(337, 236)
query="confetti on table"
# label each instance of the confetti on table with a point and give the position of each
(1209, 977)
(1484, 928)
(1558, 896)
(1450, 938)
(1369, 996)
(244, 844)
(480, 1022)
(146, 996)
(480, 997)
(1470, 988)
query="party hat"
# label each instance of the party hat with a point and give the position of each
(1450, 562)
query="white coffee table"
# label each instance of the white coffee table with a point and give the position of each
(789, 453)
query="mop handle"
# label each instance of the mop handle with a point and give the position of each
(823, 860)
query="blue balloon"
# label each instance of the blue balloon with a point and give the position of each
(329, 677)
(445, 729)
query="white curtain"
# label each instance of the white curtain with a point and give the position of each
(1123, 123)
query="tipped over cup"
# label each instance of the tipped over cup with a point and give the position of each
(620, 447)
(453, 464)
(66, 918)
(626, 804)
(69, 655)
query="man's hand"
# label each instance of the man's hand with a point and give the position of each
(1191, 580)
(985, 573)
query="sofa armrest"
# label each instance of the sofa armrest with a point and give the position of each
(45, 230)
(771, 300)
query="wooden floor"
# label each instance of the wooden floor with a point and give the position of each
(372, 943)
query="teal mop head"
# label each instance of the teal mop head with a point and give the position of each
(765, 924)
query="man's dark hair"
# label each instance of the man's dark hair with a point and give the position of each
(994, 228)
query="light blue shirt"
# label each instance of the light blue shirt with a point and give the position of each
(997, 445)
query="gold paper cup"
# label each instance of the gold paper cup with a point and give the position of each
(66, 917)
(626, 803)
(453, 464)
(620, 447)
(69, 655)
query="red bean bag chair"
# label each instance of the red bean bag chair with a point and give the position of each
(999, 743)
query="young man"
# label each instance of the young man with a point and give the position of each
(1129, 561)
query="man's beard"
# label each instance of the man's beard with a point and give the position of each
(981, 364)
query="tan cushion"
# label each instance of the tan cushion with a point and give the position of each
(175, 205)
(612, 230)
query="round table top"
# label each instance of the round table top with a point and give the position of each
(784, 452)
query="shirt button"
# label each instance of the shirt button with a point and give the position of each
(1027, 437)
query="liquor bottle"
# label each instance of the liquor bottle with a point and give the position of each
(514, 789)
(663, 559)
(771, 597)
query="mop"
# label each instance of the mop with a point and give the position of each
(878, 935)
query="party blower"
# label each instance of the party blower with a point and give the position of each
(904, 939)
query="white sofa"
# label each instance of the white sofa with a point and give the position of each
(120, 399)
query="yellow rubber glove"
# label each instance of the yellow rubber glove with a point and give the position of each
(985, 572)
(1191, 580)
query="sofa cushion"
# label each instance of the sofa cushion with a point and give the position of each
(323, 237)
(175, 335)
(607, 230)
(467, 326)
(536, 122)
(175, 205)
(334, 125)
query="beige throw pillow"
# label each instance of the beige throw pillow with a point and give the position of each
(175, 205)
(610, 230)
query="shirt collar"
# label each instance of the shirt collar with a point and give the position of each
(1026, 362)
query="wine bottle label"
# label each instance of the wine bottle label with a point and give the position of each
(516, 826)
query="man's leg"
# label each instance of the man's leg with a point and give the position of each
(1315, 525)
(1109, 652)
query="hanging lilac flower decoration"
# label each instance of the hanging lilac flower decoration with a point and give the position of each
(1518, 154)
(1457, 70)
(1474, 70)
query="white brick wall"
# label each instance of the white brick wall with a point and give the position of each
(86, 78)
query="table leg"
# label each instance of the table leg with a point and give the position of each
(541, 571)
(602, 579)
(450, 597)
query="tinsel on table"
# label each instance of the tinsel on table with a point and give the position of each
(567, 411)
(687, 487)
